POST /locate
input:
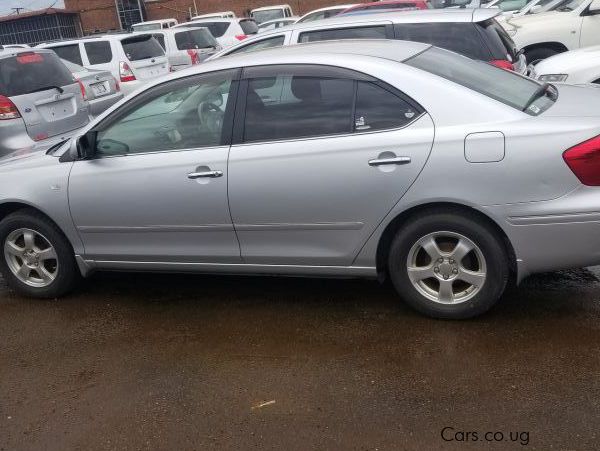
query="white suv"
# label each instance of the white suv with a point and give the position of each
(227, 32)
(133, 59)
(573, 24)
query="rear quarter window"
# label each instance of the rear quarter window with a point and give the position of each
(28, 72)
(461, 38)
(69, 52)
(249, 26)
(497, 39)
(98, 52)
(142, 47)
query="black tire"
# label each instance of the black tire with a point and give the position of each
(469, 226)
(536, 55)
(67, 274)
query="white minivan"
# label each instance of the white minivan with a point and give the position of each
(186, 47)
(133, 59)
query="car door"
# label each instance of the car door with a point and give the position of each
(313, 170)
(590, 30)
(156, 191)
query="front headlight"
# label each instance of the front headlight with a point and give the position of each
(553, 77)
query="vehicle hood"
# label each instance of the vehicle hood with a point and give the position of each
(564, 62)
(575, 101)
(540, 19)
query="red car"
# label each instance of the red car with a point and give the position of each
(389, 5)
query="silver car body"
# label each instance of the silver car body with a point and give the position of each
(47, 115)
(292, 34)
(315, 206)
(101, 88)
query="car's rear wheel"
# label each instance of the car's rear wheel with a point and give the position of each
(447, 265)
(37, 260)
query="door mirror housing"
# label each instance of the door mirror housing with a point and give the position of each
(594, 8)
(86, 145)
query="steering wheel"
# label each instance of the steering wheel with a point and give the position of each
(211, 117)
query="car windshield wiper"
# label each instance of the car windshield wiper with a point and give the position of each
(541, 91)
(46, 88)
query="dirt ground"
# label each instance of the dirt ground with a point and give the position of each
(182, 362)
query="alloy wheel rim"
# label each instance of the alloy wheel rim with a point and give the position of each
(446, 267)
(31, 258)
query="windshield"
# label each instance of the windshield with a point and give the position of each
(142, 47)
(269, 14)
(563, 5)
(29, 72)
(502, 85)
(147, 27)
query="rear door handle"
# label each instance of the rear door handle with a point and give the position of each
(205, 174)
(384, 161)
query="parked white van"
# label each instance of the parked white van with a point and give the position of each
(133, 59)
(265, 13)
(154, 25)
(186, 47)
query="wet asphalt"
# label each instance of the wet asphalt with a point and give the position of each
(178, 362)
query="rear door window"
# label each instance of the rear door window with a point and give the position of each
(461, 38)
(69, 52)
(249, 26)
(142, 47)
(29, 72)
(98, 52)
(368, 32)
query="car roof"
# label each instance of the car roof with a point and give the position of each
(172, 30)
(213, 20)
(394, 50)
(265, 8)
(281, 19)
(328, 8)
(102, 37)
(151, 22)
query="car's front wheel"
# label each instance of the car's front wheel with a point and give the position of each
(448, 265)
(37, 260)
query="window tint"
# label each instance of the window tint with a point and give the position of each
(189, 116)
(498, 40)
(287, 106)
(375, 32)
(217, 29)
(195, 39)
(511, 5)
(269, 14)
(504, 86)
(142, 47)
(161, 40)
(30, 71)
(98, 52)
(379, 109)
(461, 38)
(249, 26)
(276, 41)
(69, 52)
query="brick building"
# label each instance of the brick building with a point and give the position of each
(103, 15)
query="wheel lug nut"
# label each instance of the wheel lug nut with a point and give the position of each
(455, 271)
(436, 269)
(451, 261)
(445, 277)
(440, 260)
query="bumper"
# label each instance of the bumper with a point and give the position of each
(98, 106)
(559, 234)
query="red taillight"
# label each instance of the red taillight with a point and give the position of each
(241, 37)
(194, 56)
(41, 136)
(29, 58)
(125, 72)
(117, 85)
(584, 160)
(503, 64)
(8, 110)
(83, 93)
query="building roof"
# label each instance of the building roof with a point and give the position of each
(39, 12)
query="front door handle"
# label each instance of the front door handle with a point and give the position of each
(205, 174)
(384, 161)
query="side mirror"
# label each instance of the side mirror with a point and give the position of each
(85, 146)
(594, 8)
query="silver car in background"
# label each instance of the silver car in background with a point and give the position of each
(39, 99)
(100, 88)
(369, 158)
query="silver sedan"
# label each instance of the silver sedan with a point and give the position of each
(358, 158)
